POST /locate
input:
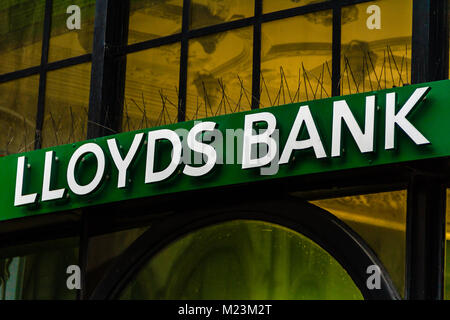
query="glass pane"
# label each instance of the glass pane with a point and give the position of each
(18, 115)
(70, 42)
(66, 105)
(380, 219)
(151, 88)
(209, 12)
(296, 66)
(38, 271)
(21, 29)
(104, 249)
(242, 260)
(220, 74)
(150, 19)
(447, 251)
(376, 45)
(275, 5)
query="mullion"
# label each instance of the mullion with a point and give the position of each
(182, 86)
(256, 72)
(336, 51)
(43, 73)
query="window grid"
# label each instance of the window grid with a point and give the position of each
(184, 36)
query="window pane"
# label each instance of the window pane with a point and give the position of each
(242, 260)
(21, 29)
(209, 12)
(275, 5)
(64, 42)
(38, 271)
(447, 251)
(296, 66)
(219, 74)
(376, 45)
(66, 105)
(151, 88)
(103, 251)
(150, 19)
(380, 219)
(18, 115)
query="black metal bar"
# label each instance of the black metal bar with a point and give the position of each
(221, 27)
(425, 238)
(182, 91)
(69, 62)
(43, 74)
(151, 44)
(20, 74)
(256, 75)
(336, 52)
(429, 41)
(82, 294)
(426, 194)
(108, 68)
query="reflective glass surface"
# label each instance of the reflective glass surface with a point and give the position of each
(18, 108)
(275, 5)
(150, 19)
(38, 271)
(21, 29)
(296, 59)
(72, 28)
(219, 74)
(209, 12)
(66, 105)
(376, 45)
(151, 88)
(380, 219)
(103, 251)
(242, 260)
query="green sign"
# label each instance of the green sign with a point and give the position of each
(362, 130)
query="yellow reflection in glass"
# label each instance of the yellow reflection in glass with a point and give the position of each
(209, 12)
(296, 59)
(64, 42)
(150, 19)
(447, 250)
(151, 88)
(242, 259)
(376, 45)
(18, 107)
(219, 74)
(21, 29)
(380, 219)
(66, 105)
(275, 5)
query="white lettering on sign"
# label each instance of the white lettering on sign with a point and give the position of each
(259, 145)
(314, 141)
(49, 173)
(399, 118)
(341, 112)
(158, 136)
(251, 139)
(21, 199)
(203, 148)
(95, 182)
(122, 164)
